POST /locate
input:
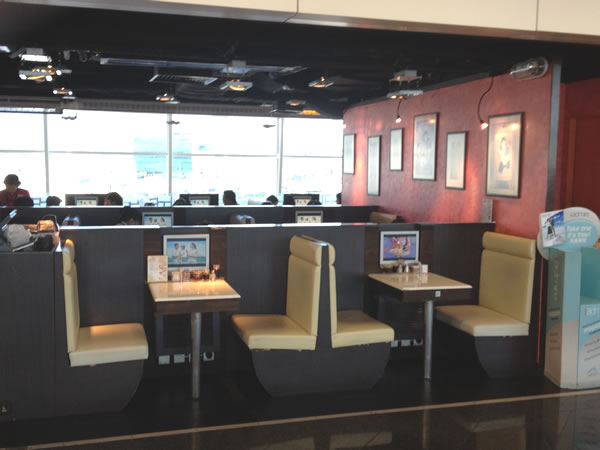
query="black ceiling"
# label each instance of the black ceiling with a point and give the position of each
(359, 61)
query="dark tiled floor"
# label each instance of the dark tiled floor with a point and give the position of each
(237, 399)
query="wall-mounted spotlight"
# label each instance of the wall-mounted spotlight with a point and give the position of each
(482, 123)
(530, 69)
(398, 118)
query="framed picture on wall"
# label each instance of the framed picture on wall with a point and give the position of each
(349, 153)
(424, 140)
(396, 149)
(455, 160)
(373, 150)
(504, 155)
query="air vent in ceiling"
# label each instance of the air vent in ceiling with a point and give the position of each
(173, 78)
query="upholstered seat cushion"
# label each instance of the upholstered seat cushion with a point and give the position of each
(357, 328)
(480, 321)
(272, 332)
(103, 344)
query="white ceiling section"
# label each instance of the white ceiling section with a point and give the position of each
(262, 10)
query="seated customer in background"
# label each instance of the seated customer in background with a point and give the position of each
(130, 216)
(53, 201)
(274, 200)
(24, 201)
(12, 191)
(113, 199)
(229, 198)
(181, 201)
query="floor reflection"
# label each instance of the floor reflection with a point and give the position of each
(569, 421)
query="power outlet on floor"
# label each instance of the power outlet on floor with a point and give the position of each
(208, 356)
(405, 342)
(5, 408)
(164, 360)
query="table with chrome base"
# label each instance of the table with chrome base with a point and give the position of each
(194, 297)
(427, 288)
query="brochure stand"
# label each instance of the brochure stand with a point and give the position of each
(573, 309)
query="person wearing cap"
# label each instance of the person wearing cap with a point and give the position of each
(12, 191)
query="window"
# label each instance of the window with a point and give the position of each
(312, 155)
(133, 154)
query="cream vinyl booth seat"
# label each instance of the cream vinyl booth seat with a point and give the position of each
(110, 357)
(505, 299)
(313, 347)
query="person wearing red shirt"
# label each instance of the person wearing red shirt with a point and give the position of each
(12, 191)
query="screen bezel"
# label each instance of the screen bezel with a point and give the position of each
(77, 199)
(170, 215)
(171, 238)
(309, 213)
(195, 198)
(384, 234)
(303, 199)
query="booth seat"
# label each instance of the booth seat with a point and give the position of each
(241, 218)
(99, 344)
(105, 362)
(313, 347)
(503, 312)
(380, 217)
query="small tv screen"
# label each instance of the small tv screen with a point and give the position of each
(399, 246)
(302, 201)
(187, 251)
(86, 201)
(309, 216)
(202, 201)
(162, 219)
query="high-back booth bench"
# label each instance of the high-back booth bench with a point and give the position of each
(313, 347)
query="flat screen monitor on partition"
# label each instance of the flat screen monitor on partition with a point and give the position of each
(202, 200)
(85, 200)
(162, 219)
(399, 246)
(187, 251)
(302, 199)
(309, 216)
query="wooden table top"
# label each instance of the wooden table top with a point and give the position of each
(192, 290)
(418, 282)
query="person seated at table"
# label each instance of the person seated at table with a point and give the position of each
(52, 200)
(113, 199)
(229, 198)
(181, 201)
(130, 216)
(274, 200)
(12, 191)
(24, 200)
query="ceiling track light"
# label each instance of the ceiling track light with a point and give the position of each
(483, 124)
(321, 83)
(405, 75)
(63, 92)
(236, 85)
(295, 102)
(404, 93)
(167, 98)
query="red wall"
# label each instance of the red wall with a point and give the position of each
(580, 102)
(429, 201)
